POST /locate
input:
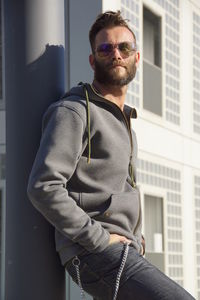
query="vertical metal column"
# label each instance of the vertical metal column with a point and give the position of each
(34, 77)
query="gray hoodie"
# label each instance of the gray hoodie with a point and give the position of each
(83, 177)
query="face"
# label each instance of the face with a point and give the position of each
(116, 68)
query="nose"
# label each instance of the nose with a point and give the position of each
(116, 54)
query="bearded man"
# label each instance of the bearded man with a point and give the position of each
(84, 176)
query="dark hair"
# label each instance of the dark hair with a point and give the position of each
(107, 19)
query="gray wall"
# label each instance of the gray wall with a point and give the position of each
(81, 14)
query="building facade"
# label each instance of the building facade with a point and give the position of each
(166, 94)
(168, 133)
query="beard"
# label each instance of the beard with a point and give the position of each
(106, 74)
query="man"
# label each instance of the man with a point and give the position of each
(83, 178)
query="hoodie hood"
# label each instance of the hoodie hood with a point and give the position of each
(80, 91)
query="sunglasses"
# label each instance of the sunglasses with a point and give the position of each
(126, 48)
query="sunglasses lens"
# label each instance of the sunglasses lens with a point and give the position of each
(104, 49)
(126, 47)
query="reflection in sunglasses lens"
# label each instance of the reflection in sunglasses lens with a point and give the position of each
(126, 48)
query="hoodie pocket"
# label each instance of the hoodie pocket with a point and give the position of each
(123, 211)
(95, 204)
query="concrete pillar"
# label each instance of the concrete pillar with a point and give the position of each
(34, 77)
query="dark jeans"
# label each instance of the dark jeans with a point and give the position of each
(139, 281)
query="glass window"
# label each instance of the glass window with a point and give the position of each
(154, 223)
(152, 37)
(154, 230)
(152, 72)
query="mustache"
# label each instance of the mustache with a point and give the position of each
(115, 63)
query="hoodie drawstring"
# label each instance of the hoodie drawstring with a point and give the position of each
(131, 173)
(76, 264)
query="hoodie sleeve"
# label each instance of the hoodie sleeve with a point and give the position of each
(55, 162)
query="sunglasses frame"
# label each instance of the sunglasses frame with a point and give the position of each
(105, 53)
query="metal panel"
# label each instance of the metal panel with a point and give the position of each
(152, 88)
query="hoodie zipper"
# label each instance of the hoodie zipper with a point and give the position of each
(128, 126)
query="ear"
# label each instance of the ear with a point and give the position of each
(91, 60)
(137, 58)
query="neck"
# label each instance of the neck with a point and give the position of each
(115, 94)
